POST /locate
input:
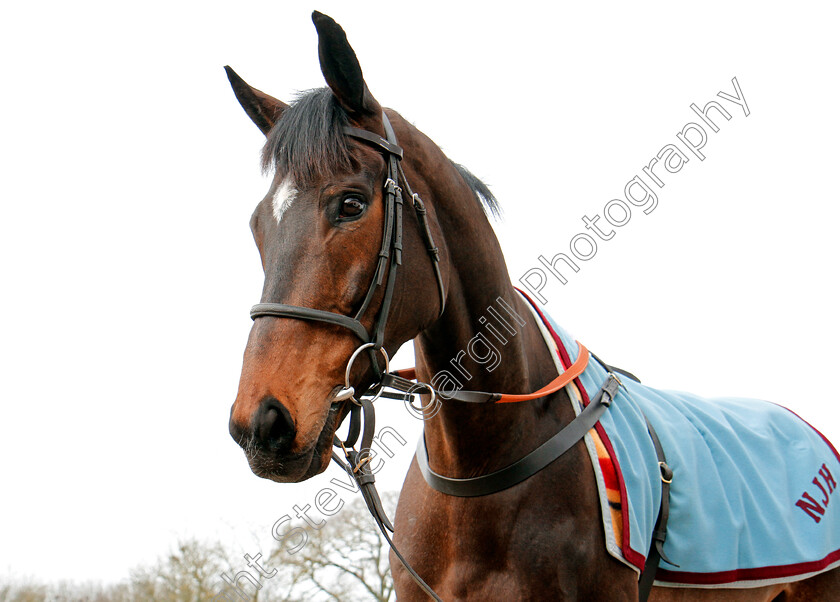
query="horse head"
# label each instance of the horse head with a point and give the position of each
(320, 231)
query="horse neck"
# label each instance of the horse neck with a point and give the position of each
(485, 316)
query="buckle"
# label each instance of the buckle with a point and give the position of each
(392, 186)
(610, 388)
(665, 473)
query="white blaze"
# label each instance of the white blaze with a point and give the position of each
(283, 198)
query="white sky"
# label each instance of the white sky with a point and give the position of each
(130, 172)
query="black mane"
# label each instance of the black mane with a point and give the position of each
(481, 190)
(307, 142)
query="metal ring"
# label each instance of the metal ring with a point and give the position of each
(350, 366)
(429, 389)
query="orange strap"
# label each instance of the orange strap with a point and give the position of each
(409, 373)
(575, 370)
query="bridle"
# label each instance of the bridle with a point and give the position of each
(388, 260)
(356, 463)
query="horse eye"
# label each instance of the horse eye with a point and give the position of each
(351, 207)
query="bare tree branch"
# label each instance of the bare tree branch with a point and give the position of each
(345, 559)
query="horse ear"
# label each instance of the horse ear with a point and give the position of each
(341, 68)
(264, 110)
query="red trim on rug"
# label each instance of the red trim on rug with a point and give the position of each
(637, 559)
(766, 572)
(815, 429)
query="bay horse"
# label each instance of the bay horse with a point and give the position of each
(341, 266)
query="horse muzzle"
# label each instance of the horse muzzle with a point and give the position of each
(274, 447)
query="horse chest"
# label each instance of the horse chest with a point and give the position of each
(535, 542)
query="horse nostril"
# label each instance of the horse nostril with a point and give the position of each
(273, 425)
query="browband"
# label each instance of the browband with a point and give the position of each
(379, 141)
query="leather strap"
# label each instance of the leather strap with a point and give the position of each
(426, 232)
(281, 310)
(531, 464)
(575, 370)
(357, 465)
(621, 371)
(660, 530)
(386, 145)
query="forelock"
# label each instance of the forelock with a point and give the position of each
(308, 141)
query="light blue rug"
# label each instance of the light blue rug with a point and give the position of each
(754, 497)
